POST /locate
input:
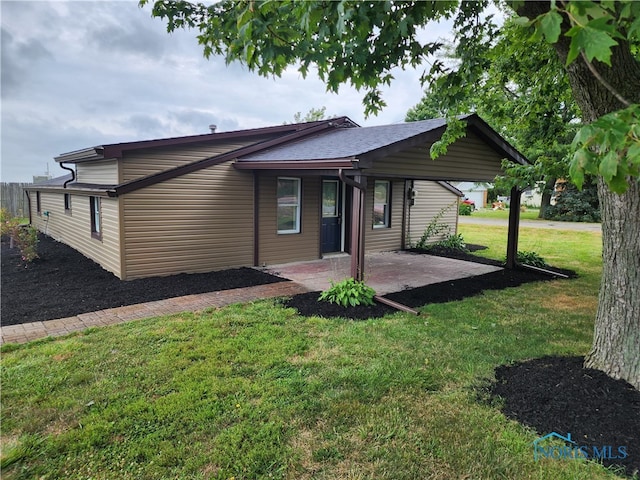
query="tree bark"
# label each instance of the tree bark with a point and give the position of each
(547, 193)
(616, 344)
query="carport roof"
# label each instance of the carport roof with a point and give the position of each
(346, 142)
(366, 143)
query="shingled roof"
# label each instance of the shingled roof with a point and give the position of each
(347, 142)
(367, 143)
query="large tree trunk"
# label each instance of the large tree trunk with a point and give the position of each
(547, 193)
(616, 344)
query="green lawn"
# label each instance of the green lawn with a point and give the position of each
(255, 391)
(528, 214)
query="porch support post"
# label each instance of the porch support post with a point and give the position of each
(359, 184)
(357, 230)
(514, 224)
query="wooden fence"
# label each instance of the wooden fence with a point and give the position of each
(14, 199)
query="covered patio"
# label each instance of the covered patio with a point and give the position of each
(385, 272)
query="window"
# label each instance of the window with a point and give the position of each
(381, 196)
(288, 205)
(67, 203)
(96, 224)
(38, 204)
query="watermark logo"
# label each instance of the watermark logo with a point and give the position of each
(545, 447)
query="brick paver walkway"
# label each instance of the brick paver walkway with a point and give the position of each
(62, 326)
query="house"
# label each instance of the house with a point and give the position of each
(260, 196)
(477, 192)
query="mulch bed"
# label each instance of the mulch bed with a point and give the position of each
(63, 282)
(556, 394)
(307, 303)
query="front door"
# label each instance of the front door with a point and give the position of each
(331, 216)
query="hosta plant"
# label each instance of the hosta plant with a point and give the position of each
(349, 293)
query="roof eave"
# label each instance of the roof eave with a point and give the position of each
(320, 164)
(84, 155)
(484, 130)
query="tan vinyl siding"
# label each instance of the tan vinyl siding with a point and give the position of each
(430, 199)
(101, 173)
(283, 248)
(469, 158)
(147, 162)
(199, 222)
(383, 239)
(74, 229)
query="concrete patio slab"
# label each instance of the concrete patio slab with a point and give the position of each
(385, 272)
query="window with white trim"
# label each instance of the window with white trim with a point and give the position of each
(288, 193)
(381, 205)
(96, 220)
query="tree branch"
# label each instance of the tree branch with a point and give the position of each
(606, 84)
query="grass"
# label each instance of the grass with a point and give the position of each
(255, 391)
(528, 214)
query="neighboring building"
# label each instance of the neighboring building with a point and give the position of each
(261, 196)
(477, 192)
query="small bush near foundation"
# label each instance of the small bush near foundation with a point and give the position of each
(453, 242)
(349, 293)
(23, 236)
(530, 258)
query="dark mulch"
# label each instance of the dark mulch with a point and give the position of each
(63, 283)
(307, 303)
(556, 394)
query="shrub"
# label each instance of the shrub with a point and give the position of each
(453, 242)
(573, 205)
(435, 228)
(531, 258)
(23, 236)
(349, 292)
(465, 209)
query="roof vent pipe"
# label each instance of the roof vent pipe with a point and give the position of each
(213, 128)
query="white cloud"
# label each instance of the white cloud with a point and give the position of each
(79, 74)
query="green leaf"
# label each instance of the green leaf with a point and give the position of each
(596, 43)
(550, 26)
(634, 30)
(609, 166)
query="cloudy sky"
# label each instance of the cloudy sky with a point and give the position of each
(81, 74)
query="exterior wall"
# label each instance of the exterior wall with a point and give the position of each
(74, 228)
(283, 248)
(146, 162)
(102, 173)
(198, 222)
(383, 239)
(469, 158)
(429, 201)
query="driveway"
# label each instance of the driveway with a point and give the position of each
(575, 226)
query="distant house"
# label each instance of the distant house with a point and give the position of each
(475, 191)
(260, 196)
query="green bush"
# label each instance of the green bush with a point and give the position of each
(573, 205)
(435, 227)
(453, 242)
(531, 258)
(465, 209)
(25, 237)
(349, 292)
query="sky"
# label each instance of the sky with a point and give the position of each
(80, 74)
